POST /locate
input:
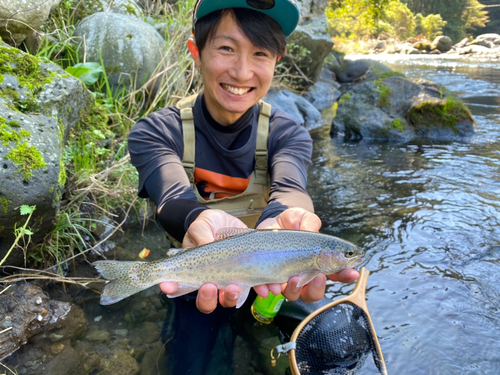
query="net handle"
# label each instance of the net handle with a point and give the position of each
(358, 298)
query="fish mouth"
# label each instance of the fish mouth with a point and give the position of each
(357, 262)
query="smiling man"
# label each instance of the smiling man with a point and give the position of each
(223, 158)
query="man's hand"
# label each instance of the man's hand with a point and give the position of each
(202, 231)
(301, 219)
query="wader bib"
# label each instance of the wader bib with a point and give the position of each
(248, 205)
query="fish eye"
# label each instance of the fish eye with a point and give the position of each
(349, 253)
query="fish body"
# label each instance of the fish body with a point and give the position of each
(247, 259)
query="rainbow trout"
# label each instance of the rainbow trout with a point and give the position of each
(248, 258)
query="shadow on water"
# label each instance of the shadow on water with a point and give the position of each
(429, 217)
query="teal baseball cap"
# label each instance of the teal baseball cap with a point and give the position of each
(285, 12)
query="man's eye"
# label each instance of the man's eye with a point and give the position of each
(226, 48)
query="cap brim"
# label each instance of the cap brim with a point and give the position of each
(285, 12)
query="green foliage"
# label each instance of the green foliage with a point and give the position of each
(431, 26)
(396, 124)
(400, 19)
(385, 93)
(88, 72)
(352, 21)
(23, 233)
(293, 69)
(474, 16)
(460, 15)
(67, 239)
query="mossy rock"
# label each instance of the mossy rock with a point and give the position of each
(40, 105)
(396, 109)
(443, 119)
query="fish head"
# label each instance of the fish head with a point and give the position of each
(339, 255)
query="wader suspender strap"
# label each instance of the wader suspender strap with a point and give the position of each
(189, 141)
(261, 155)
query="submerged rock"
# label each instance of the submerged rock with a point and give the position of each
(25, 311)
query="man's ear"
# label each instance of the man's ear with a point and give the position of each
(195, 52)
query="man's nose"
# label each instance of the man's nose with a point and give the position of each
(243, 69)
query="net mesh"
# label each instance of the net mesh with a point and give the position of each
(336, 341)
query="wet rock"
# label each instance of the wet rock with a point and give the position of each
(55, 337)
(99, 336)
(148, 332)
(67, 362)
(56, 348)
(323, 96)
(296, 107)
(25, 311)
(153, 361)
(119, 363)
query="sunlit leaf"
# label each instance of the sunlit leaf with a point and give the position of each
(88, 72)
(26, 210)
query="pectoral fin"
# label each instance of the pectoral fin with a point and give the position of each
(306, 277)
(244, 295)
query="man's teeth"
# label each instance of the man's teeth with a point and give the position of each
(235, 90)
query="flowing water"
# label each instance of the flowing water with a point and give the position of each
(428, 215)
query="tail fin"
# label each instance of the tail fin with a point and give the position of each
(125, 279)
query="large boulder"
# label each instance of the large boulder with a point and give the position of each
(296, 107)
(317, 44)
(309, 44)
(131, 49)
(39, 105)
(442, 43)
(84, 8)
(19, 18)
(393, 108)
(312, 8)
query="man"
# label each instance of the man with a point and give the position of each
(205, 161)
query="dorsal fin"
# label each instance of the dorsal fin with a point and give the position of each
(228, 232)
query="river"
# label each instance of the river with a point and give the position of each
(428, 215)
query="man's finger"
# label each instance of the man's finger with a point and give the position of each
(345, 276)
(315, 290)
(168, 287)
(292, 291)
(229, 297)
(206, 301)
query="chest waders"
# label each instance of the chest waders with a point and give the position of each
(248, 205)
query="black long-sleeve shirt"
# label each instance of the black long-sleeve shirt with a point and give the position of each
(224, 159)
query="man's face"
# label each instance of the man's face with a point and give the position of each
(236, 74)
